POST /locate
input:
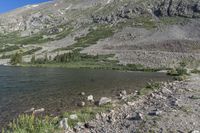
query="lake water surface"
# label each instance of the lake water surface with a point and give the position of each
(57, 89)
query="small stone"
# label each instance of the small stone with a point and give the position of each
(73, 117)
(37, 111)
(166, 91)
(90, 125)
(82, 93)
(64, 124)
(130, 103)
(155, 112)
(30, 110)
(123, 92)
(81, 104)
(97, 116)
(175, 103)
(111, 119)
(195, 131)
(90, 98)
(104, 100)
(138, 116)
(79, 126)
(103, 115)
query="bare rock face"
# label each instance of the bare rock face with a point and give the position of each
(183, 8)
(51, 15)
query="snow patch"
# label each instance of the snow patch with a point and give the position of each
(31, 6)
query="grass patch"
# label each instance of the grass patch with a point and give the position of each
(150, 87)
(32, 51)
(9, 48)
(196, 71)
(195, 97)
(92, 37)
(141, 22)
(15, 38)
(86, 114)
(6, 56)
(174, 20)
(145, 22)
(32, 124)
(186, 109)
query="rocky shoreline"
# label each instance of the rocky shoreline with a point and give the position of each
(174, 107)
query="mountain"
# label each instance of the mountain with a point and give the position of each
(152, 33)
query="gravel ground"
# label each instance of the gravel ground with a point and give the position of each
(173, 109)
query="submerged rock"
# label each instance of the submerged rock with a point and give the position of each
(82, 93)
(30, 110)
(37, 111)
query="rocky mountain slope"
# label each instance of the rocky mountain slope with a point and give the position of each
(153, 33)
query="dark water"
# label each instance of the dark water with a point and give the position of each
(57, 89)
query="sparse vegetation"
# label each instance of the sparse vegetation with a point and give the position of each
(150, 87)
(173, 20)
(195, 71)
(75, 59)
(9, 48)
(180, 72)
(32, 124)
(92, 37)
(32, 51)
(15, 38)
(195, 97)
(86, 114)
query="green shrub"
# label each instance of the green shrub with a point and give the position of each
(16, 59)
(149, 88)
(33, 59)
(178, 72)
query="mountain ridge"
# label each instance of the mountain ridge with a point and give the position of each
(144, 24)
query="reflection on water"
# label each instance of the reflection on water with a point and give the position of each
(57, 89)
